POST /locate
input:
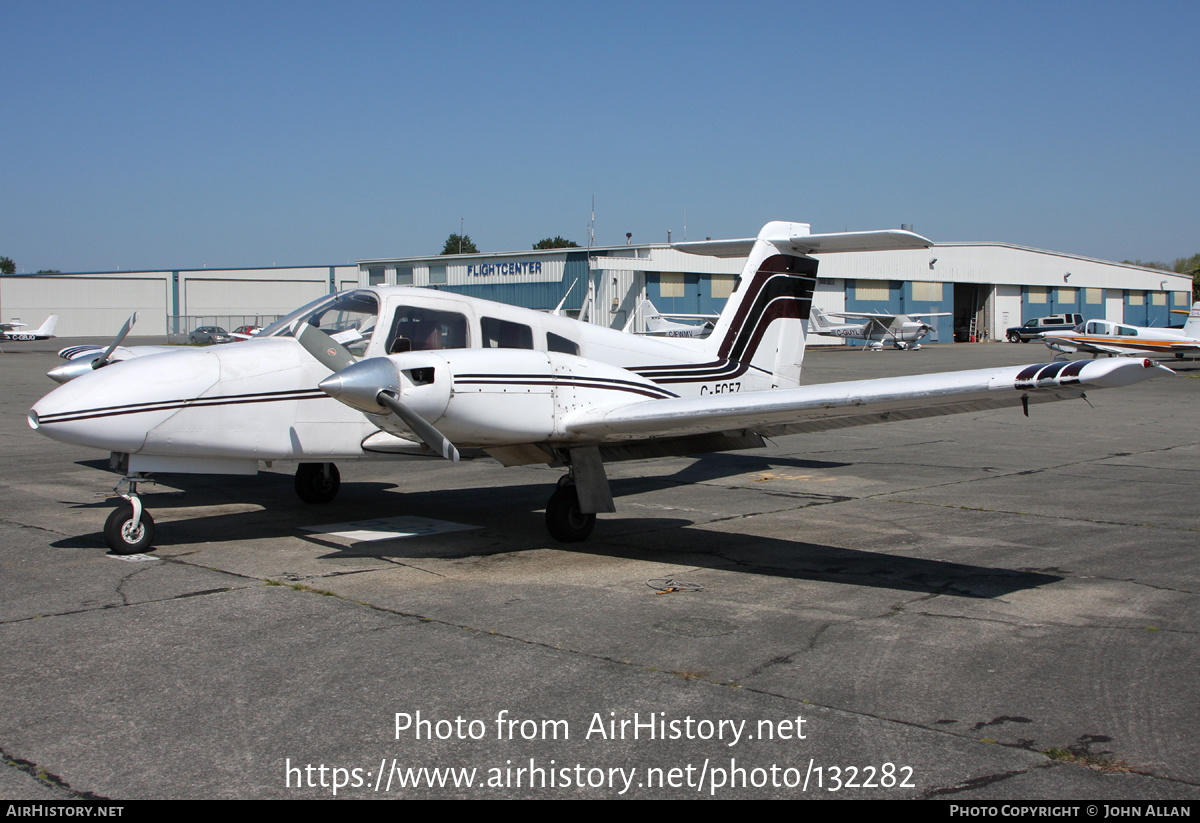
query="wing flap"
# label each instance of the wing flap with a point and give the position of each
(857, 403)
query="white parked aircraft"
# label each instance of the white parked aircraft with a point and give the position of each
(439, 372)
(903, 331)
(658, 324)
(1109, 337)
(8, 331)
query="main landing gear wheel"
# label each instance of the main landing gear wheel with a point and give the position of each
(315, 485)
(123, 535)
(565, 522)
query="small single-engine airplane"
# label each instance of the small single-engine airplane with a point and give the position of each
(385, 372)
(903, 331)
(8, 331)
(657, 324)
(1099, 337)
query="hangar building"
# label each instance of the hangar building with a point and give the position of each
(168, 302)
(987, 287)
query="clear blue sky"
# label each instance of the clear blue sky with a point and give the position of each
(178, 135)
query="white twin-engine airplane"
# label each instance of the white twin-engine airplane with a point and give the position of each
(9, 331)
(387, 372)
(903, 331)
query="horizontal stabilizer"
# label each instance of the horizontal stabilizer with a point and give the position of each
(885, 240)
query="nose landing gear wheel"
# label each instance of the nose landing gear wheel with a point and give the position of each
(565, 522)
(123, 535)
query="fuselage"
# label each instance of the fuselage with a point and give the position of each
(224, 408)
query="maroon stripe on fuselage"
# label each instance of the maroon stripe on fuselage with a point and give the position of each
(175, 405)
(781, 289)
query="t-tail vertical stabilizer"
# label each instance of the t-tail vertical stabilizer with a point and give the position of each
(763, 323)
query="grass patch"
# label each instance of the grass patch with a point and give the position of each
(300, 587)
(1095, 762)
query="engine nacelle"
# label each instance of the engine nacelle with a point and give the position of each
(487, 397)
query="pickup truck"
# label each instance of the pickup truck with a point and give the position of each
(1034, 327)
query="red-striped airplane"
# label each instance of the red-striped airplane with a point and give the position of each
(1097, 337)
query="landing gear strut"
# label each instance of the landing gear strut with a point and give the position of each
(130, 528)
(317, 482)
(583, 491)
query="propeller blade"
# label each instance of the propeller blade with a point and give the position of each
(430, 436)
(103, 359)
(77, 367)
(330, 353)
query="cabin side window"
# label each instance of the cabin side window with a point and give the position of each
(415, 329)
(561, 344)
(504, 334)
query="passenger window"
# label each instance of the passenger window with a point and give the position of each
(561, 344)
(416, 329)
(502, 334)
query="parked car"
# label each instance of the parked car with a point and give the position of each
(210, 334)
(1034, 327)
(249, 331)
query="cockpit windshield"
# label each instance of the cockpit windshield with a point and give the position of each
(348, 317)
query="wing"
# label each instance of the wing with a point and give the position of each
(885, 319)
(838, 405)
(1127, 346)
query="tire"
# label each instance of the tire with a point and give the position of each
(313, 487)
(123, 536)
(565, 522)
(1014, 337)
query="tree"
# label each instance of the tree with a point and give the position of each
(1148, 264)
(1191, 265)
(459, 244)
(555, 242)
(7, 266)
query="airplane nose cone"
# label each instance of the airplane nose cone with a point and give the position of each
(115, 407)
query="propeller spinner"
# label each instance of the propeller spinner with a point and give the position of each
(76, 368)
